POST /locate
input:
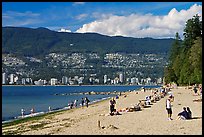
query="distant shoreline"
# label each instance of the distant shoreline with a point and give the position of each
(73, 85)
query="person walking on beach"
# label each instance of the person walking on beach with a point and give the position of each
(169, 106)
(22, 112)
(49, 109)
(32, 111)
(82, 102)
(86, 100)
(112, 105)
(75, 103)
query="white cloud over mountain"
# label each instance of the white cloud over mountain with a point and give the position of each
(148, 25)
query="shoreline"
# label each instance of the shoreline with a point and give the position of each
(41, 113)
(145, 122)
(76, 85)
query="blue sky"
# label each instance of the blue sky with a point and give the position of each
(134, 19)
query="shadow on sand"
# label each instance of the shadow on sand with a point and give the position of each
(196, 118)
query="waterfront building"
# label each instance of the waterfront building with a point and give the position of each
(4, 78)
(64, 80)
(11, 76)
(23, 81)
(15, 79)
(121, 77)
(105, 79)
(53, 81)
(133, 81)
(159, 81)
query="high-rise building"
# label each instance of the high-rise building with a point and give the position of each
(53, 81)
(121, 77)
(64, 80)
(23, 81)
(105, 79)
(11, 79)
(4, 78)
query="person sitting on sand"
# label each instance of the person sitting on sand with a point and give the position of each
(137, 107)
(141, 104)
(148, 101)
(189, 113)
(183, 115)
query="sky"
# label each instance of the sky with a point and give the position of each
(129, 19)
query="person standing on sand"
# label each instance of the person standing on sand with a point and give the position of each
(169, 106)
(86, 100)
(32, 111)
(195, 89)
(22, 112)
(75, 103)
(82, 102)
(49, 109)
(112, 105)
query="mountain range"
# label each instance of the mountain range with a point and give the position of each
(42, 41)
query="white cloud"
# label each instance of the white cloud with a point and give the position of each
(64, 30)
(78, 3)
(21, 14)
(148, 25)
(81, 16)
(13, 18)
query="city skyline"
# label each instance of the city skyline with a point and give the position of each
(131, 19)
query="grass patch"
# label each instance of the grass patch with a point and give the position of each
(23, 120)
(37, 126)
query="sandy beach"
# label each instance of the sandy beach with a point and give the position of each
(150, 121)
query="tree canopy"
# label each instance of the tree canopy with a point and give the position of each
(185, 58)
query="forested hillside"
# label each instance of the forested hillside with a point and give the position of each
(41, 41)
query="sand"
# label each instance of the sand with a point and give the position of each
(149, 121)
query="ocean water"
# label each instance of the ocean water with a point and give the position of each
(14, 98)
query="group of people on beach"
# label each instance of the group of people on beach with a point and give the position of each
(185, 114)
(23, 112)
(153, 97)
(84, 102)
(156, 95)
(197, 89)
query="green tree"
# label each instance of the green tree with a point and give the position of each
(186, 59)
(196, 61)
(175, 49)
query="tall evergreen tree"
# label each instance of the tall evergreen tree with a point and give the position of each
(186, 60)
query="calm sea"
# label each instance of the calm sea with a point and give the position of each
(14, 98)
